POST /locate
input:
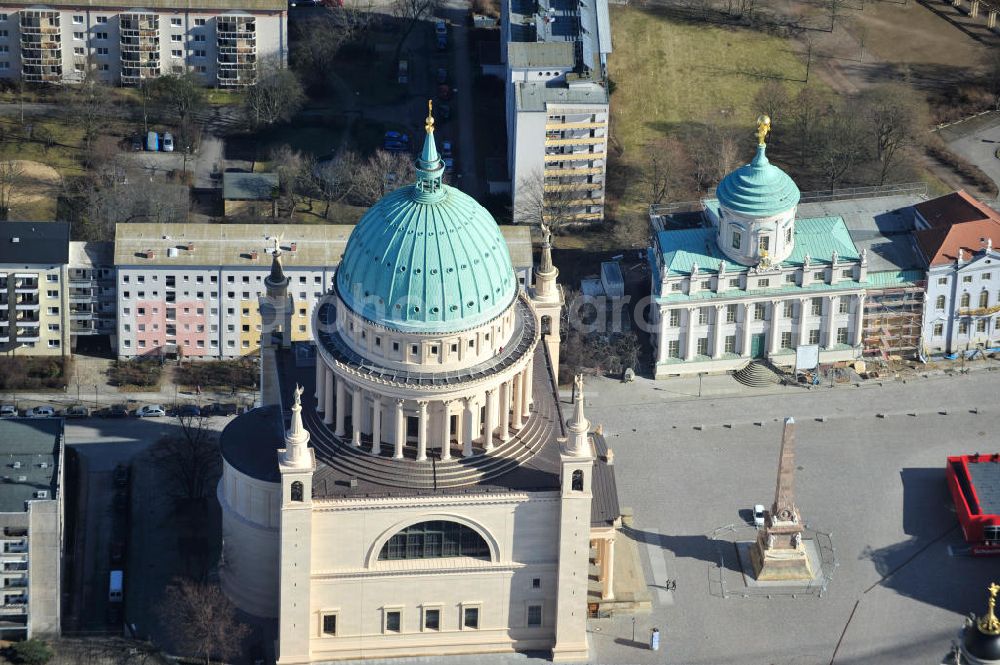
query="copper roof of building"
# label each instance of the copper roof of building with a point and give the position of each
(955, 208)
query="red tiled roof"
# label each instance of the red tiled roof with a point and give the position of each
(940, 244)
(955, 208)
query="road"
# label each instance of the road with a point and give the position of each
(456, 11)
(977, 140)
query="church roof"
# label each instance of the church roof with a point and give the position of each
(759, 188)
(427, 257)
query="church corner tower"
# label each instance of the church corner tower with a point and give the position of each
(547, 299)
(297, 465)
(577, 467)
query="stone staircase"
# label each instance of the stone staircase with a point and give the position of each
(757, 374)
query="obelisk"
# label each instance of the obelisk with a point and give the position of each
(778, 553)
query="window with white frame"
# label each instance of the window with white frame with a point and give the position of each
(841, 335)
(432, 618)
(470, 616)
(730, 313)
(981, 325)
(328, 624)
(786, 340)
(675, 318)
(674, 348)
(814, 336)
(938, 329)
(392, 620)
(939, 302)
(175, 22)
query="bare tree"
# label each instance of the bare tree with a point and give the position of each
(667, 170)
(201, 620)
(772, 100)
(275, 96)
(382, 173)
(895, 118)
(292, 170)
(546, 205)
(807, 109)
(334, 179)
(411, 12)
(317, 42)
(11, 179)
(89, 102)
(840, 144)
(991, 59)
(190, 460)
(728, 147)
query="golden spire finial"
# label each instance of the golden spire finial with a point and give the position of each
(989, 624)
(429, 123)
(763, 128)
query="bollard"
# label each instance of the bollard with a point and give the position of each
(654, 639)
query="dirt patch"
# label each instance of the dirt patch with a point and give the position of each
(35, 192)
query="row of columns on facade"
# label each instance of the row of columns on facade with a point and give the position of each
(513, 398)
(991, 16)
(774, 335)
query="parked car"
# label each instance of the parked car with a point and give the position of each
(114, 411)
(137, 143)
(397, 136)
(446, 148)
(40, 412)
(8, 411)
(758, 515)
(76, 411)
(217, 409)
(152, 141)
(440, 28)
(150, 411)
(168, 142)
(188, 411)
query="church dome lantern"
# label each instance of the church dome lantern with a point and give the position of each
(427, 258)
(757, 205)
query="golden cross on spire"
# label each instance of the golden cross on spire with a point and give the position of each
(763, 128)
(989, 624)
(429, 123)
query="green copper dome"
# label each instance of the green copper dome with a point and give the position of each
(758, 189)
(427, 257)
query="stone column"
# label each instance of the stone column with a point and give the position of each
(608, 586)
(528, 399)
(859, 320)
(974, 9)
(773, 335)
(320, 382)
(802, 337)
(468, 433)
(328, 396)
(340, 429)
(691, 312)
(376, 424)
(400, 439)
(356, 398)
(720, 317)
(991, 20)
(489, 425)
(831, 336)
(661, 340)
(446, 430)
(422, 431)
(745, 330)
(504, 414)
(515, 416)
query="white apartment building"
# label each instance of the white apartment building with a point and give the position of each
(31, 527)
(219, 40)
(555, 57)
(193, 290)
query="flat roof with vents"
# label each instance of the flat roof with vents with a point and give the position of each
(29, 461)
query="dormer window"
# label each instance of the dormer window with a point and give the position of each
(737, 239)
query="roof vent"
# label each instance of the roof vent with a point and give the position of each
(354, 482)
(294, 247)
(15, 239)
(42, 494)
(172, 252)
(44, 465)
(22, 479)
(16, 465)
(190, 246)
(253, 255)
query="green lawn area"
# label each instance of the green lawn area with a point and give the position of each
(668, 72)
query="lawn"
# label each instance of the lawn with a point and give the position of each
(668, 72)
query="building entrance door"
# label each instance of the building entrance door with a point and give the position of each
(757, 345)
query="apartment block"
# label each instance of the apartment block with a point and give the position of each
(222, 41)
(192, 290)
(34, 300)
(31, 527)
(555, 57)
(91, 284)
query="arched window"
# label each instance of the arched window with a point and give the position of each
(965, 300)
(578, 481)
(296, 491)
(984, 299)
(546, 325)
(435, 540)
(940, 302)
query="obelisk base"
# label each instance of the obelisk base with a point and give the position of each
(778, 555)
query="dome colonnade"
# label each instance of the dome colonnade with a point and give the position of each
(426, 341)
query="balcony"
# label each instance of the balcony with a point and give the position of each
(19, 582)
(27, 335)
(81, 299)
(81, 315)
(15, 566)
(15, 547)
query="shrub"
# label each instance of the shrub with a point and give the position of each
(33, 372)
(29, 652)
(139, 373)
(240, 374)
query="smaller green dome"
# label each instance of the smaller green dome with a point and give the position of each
(758, 189)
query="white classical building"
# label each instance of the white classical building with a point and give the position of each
(421, 495)
(756, 282)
